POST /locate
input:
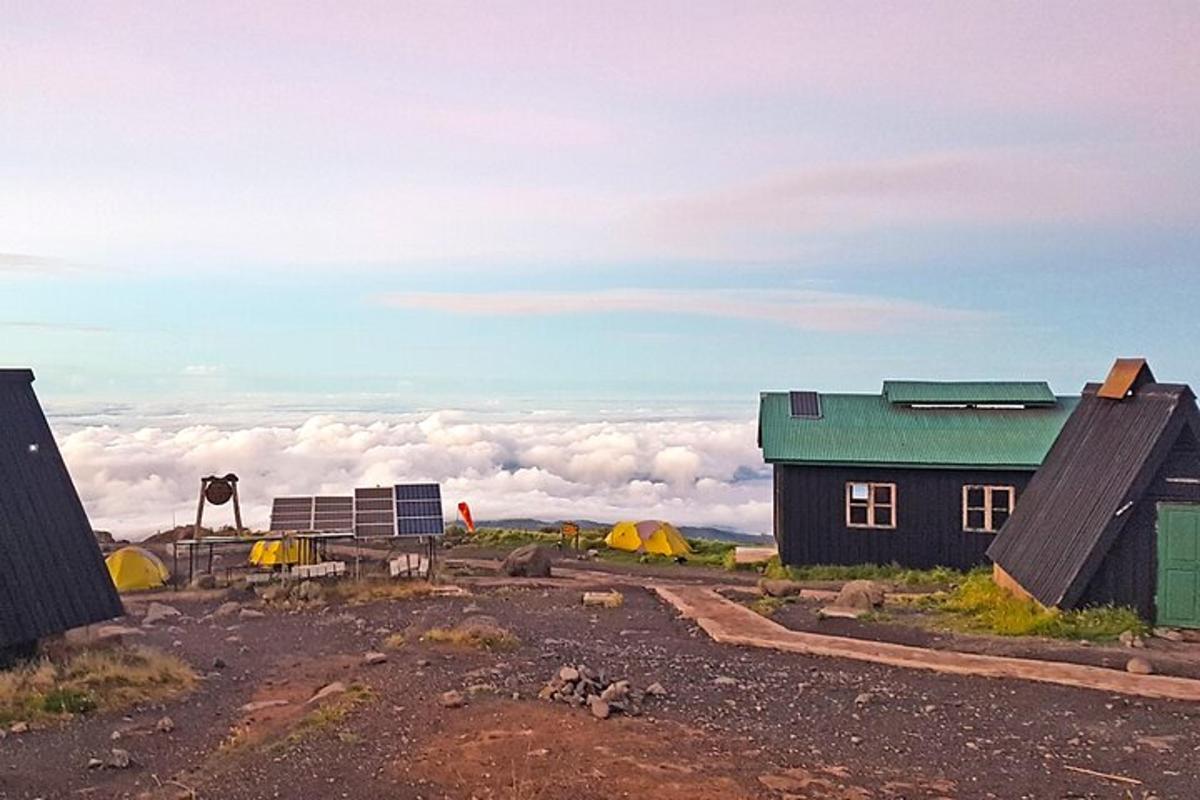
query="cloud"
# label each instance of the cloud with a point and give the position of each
(23, 263)
(798, 308)
(982, 187)
(698, 471)
(201, 370)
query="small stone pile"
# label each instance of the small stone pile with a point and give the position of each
(579, 686)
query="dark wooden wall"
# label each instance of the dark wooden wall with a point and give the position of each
(1128, 575)
(810, 516)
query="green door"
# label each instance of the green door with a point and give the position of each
(1178, 595)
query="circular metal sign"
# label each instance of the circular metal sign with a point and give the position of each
(218, 491)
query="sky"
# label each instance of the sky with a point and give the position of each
(549, 253)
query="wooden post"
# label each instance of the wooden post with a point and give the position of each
(237, 509)
(199, 511)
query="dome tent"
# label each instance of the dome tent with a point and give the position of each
(280, 552)
(136, 568)
(648, 536)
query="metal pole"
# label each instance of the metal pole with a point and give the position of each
(199, 511)
(237, 509)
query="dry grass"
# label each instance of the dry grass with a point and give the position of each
(395, 641)
(480, 637)
(767, 605)
(329, 714)
(370, 591)
(91, 680)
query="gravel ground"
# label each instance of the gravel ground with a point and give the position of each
(736, 722)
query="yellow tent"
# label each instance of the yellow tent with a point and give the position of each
(277, 552)
(134, 568)
(648, 536)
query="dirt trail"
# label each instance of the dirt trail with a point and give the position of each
(729, 623)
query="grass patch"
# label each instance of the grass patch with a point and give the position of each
(705, 552)
(767, 605)
(978, 605)
(891, 573)
(331, 713)
(492, 639)
(395, 641)
(370, 591)
(91, 680)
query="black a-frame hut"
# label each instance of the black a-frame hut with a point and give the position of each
(52, 576)
(1113, 515)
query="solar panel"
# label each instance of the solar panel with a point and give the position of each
(806, 405)
(333, 515)
(375, 512)
(292, 514)
(419, 510)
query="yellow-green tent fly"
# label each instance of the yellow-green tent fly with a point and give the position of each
(648, 536)
(134, 569)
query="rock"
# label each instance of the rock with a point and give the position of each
(529, 561)
(259, 705)
(616, 692)
(612, 599)
(329, 690)
(656, 690)
(375, 658)
(250, 613)
(423, 662)
(19, 727)
(1169, 634)
(593, 553)
(725, 680)
(165, 725)
(1139, 666)
(227, 609)
(841, 612)
(115, 633)
(600, 709)
(205, 581)
(309, 591)
(219, 663)
(856, 740)
(275, 594)
(95, 763)
(119, 759)
(568, 674)
(861, 594)
(780, 588)
(452, 699)
(159, 612)
(863, 699)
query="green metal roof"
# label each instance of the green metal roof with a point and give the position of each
(870, 430)
(968, 392)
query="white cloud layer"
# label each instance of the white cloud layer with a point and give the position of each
(687, 471)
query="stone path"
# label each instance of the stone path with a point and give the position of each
(727, 622)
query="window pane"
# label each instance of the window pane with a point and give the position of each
(975, 520)
(1002, 499)
(883, 516)
(999, 516)
(860, 491)
(858, 515)
(975, 497)
(883, 494)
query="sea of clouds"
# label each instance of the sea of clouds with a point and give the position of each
(135, 481)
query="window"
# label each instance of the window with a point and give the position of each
(871, 505)
(985, 508)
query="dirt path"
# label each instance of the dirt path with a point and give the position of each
(730, 623)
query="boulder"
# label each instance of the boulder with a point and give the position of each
(1139, 666)
(452, 699)
(227, 609)
(779, 588)
(159, 612)
(600, 709)
(309, 591)
(530, 561)
(372, 659)
(205, 581)
(864, 595)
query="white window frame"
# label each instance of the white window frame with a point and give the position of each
(989, 505)
(871, 505)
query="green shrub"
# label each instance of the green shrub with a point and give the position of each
(68, 701)
(892, 573)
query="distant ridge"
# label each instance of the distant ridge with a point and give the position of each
(691, 531)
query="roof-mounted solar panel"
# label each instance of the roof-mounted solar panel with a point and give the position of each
(419, 510)
(969, 393)
(292, 514)
(805, 405)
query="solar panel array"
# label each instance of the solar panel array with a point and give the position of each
(419, 510)
(313, 514)
(411, 509)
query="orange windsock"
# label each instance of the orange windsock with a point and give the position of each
(465, 511)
